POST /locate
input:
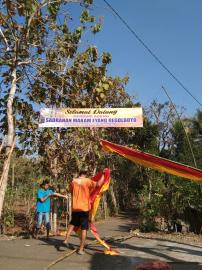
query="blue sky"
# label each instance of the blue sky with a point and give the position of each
(172, 29)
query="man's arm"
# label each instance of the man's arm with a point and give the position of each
(100, 181)
(59, 195)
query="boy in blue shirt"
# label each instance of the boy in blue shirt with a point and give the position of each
(43, 206)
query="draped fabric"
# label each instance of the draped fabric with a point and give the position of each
(97, 193)
(94, 201)
(154, 162)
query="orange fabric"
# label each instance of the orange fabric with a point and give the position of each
(154, 162)
(81, 189)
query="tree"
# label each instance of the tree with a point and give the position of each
(196, 131)
(72, 77)
(26, 27)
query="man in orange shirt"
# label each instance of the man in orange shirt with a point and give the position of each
(81, 189)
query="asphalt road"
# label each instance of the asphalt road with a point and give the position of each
(26, 254)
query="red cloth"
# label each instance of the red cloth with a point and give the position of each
(156, 265)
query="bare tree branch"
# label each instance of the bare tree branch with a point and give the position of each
(5, 40)
(24, 63)
(2, 144)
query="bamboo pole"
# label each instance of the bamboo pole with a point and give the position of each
(60, 259)
(66, 255)
(118, 238)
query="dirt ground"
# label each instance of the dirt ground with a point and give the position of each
(183, 252)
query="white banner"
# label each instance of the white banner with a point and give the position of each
(92, 117)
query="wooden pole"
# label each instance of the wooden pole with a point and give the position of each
(70, 207)
(67, 210)
(60, 259)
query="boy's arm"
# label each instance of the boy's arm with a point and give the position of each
(43, 199)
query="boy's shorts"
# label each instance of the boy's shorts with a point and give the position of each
(43, 217)
(80, 219)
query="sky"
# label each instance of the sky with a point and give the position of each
(171, 29)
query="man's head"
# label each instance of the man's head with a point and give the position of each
(83, 173)
(45, 184)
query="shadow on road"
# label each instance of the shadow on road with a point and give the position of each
(103, 262)
(57, 244)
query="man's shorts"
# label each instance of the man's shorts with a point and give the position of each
(43, 217)
(80, 219)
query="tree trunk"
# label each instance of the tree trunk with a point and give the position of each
(55, 172)
(113, 199)
(13, 175)
(150, 188)
(10, 141)
(104, 205)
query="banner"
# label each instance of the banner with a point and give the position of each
(92, 117)
(154, 162)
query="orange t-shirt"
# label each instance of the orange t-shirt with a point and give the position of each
(81, 189)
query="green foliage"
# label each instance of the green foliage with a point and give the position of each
(26, 7)
(8, 214)
(106, 58)
(96, 28)
(148, 223)
(173, 197)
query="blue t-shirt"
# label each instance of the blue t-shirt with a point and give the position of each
(43, 206)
